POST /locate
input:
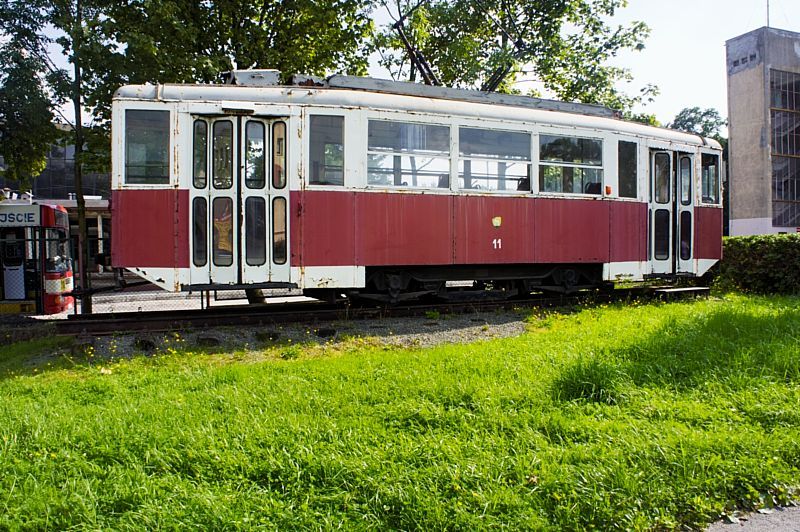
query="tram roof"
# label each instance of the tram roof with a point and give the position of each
(353, 92)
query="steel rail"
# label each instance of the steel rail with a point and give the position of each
(319, 312)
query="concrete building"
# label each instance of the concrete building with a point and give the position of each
(764, 131)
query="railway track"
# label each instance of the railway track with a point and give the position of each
(318, 312)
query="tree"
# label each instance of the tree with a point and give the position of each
(26, 111)
(704, 122)
(26, 119)
(109, 43)
(564, 44)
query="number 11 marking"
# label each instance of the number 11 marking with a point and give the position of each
(497, 243)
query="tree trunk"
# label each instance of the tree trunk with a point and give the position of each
(83, 241)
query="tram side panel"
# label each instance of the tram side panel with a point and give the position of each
(494, 230)
(707, 237)
(403, 229)
(151, 233)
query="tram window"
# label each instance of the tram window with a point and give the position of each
(279, 155)
(662, 171)
(199, 232)
(222, 154)
(661, 234)
(255, 231)
(710, 178)
(628, 174)
(279, 230)
(494, 160)
(686, 235)
(222, 231)
(407, 154)
(254, 159)
(326, 144)
(146, 147)
(200, 150)
(57, 252)
(571, 165)
(686, 180)
(570, 179)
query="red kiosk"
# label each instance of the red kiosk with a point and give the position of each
(34, 258)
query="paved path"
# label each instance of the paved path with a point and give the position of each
(783, 520)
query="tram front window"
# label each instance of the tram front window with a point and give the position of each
(58, 256)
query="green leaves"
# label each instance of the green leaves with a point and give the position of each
(148, 41)
(26, 114)
(562, 43)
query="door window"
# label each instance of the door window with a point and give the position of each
(200, 232)
(279, 155)
(255, 231)
(200, 153)
(254, 155)
(279, 230)
(222, 238)
(661, 234)
(223, 154)
(662, 171)
(686, 180)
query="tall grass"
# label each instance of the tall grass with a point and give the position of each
(634, 417)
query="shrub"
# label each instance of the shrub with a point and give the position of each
(762, 264)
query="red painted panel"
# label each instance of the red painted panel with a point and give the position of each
(628, 231)
(403, 228)
(571, 230)
(479, 238)
(150, 228)
(321, 224)
(707, 233)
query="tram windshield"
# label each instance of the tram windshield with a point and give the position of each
(58, 255)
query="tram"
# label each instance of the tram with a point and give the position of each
(354, 185)
(35, 258)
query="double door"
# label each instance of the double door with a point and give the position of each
(670, 227)
(239, 201)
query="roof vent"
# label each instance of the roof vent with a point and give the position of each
(253, 78)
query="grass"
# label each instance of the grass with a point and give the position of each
(618, 417)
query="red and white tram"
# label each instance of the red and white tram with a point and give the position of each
(35, 258)
(352, 184)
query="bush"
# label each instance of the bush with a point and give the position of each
(762, 264)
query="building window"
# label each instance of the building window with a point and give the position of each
(326, 162)
(628, 165)
(570, 164)
(494, 160)
(785, 125)
(146, 147)
(403, 154)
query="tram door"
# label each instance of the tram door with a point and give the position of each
(671, 212)
(239, 211)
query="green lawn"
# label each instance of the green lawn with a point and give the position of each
(630, 417)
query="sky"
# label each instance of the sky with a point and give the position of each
(684, 56)
(685, 53)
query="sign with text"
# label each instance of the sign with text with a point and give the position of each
(19, 215)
